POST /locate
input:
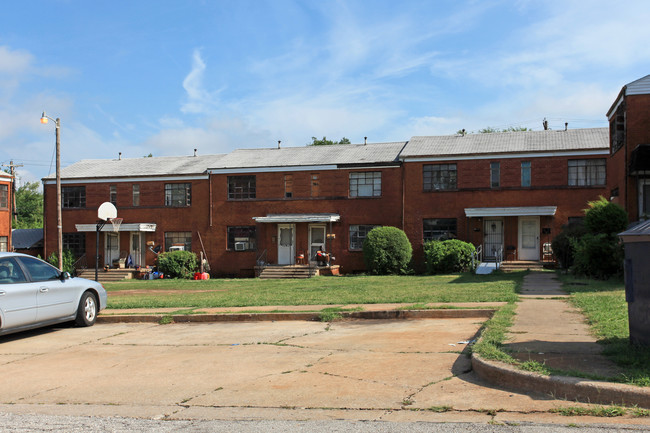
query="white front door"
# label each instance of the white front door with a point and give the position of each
(111, 248)
(493, 238)
(286, 244)
(529, 238)
(137, 247)
(316, 240)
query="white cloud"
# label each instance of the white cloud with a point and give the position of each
(198, 99)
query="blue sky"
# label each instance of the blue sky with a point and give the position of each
(167, 77)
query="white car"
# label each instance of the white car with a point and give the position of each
(34, 293)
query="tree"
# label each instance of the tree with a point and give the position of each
(29, 207)
(387, 250)
(325, 142)
(490, 129)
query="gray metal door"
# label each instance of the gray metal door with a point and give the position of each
(492, 238)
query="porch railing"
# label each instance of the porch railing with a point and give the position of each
(477, 256)
(80, 264)
(261, 264)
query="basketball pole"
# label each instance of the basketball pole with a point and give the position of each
(100, 226)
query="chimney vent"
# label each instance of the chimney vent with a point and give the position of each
(462, 131)
(545, 124)
(194, 152)
(119, 156)
(279, 141)
(566, 125)
(365, 140)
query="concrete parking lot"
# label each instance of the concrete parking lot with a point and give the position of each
(390, 370)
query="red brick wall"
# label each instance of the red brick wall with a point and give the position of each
(5, 214)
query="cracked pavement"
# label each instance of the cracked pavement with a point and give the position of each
(377, 370)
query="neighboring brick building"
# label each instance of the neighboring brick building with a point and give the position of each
(5, 211)
(629, 164)
(501, 190)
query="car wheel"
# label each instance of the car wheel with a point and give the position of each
(87, 311)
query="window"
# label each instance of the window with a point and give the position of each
(40, 271)
(617, 129)
(366, 184)
(73, 196)
(525, 173)
(288, 186)
(113, 194)
(495, 174)
(438, 176)
(10, 272)
(136, 194)
(358, 234)
(4, 196)
(178, 239)
(178, 194)
(3, 243)
(75, 242)
(434, 229)
(241, 238)
(241, 187)
(315, 186)
(586, 172)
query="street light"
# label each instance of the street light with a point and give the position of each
(59, 225)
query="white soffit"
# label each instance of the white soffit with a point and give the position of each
(473, 212)
(298, 218)
(108, 227)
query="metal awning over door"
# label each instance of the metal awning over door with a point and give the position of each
(299, 218)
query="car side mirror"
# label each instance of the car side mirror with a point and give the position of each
(65, 276)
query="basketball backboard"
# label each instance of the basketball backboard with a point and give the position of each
(106, 211)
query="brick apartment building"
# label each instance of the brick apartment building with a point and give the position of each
(5, 211)
(509, 192)
(629, 165)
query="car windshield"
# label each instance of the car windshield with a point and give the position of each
(39, 270)
(10, 272)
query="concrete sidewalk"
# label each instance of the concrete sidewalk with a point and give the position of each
(549, 330)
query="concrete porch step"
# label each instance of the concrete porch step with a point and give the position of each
(107, 276)
(522, 265)
(289, 271)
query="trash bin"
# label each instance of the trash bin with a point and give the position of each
(637, 281)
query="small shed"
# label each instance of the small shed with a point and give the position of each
(637, 281)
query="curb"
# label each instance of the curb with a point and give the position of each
(307, 316)
(569, 388)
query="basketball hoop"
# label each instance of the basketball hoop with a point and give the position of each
(116, 222)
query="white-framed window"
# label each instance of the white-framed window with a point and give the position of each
(4, 196)
(525, 173)
(587, 172)
(495, 174)
(439, 177)
(3, 243)
(365, 184)
(136, 194)
(358, 233)
(178, 194)
(177, 239)
(112, 194)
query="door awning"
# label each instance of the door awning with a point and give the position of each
(128, 227)
(473, 212)
(299, 218)
(640, 159)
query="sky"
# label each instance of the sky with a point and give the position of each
(166, 77)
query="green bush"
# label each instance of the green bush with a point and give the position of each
(605, 217)
(178, 264)
(387, 250)
(598, 256)
(68, 261)
(562, 246)
(443, 257)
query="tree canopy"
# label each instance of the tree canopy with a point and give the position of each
(29, 207)
(490, 129)
(325, 142)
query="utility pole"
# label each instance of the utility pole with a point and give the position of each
(12, 171)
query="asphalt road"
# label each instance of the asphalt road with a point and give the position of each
(382, 375)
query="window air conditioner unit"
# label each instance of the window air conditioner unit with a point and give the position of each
(241, 246)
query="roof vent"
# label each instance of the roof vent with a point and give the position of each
(462, 132)
(279, 141)
(119, 156)
(365, 140)
(545, 124)
(566, 125)
(194, 152)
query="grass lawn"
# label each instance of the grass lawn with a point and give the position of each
(314, 291)
(603, 303)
